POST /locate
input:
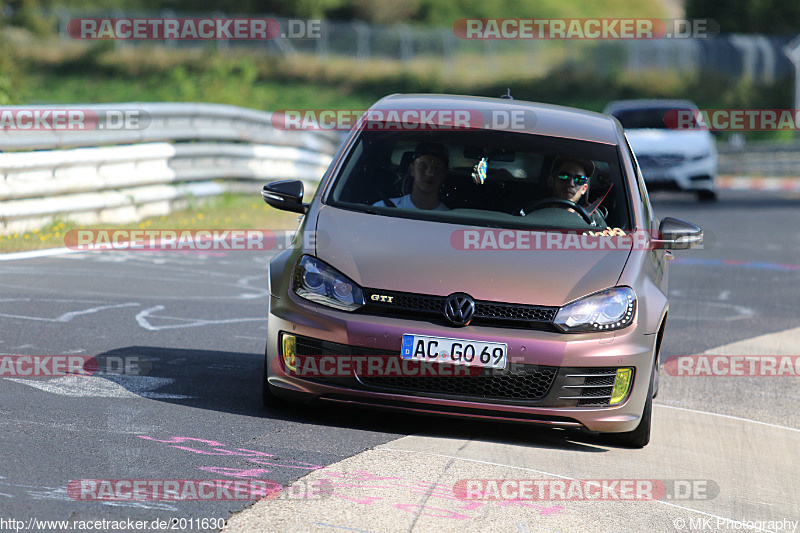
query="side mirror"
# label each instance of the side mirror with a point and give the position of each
(286, 195)
(678, 234)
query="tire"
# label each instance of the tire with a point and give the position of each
(657, 363)
(655, 387)
(707, 196)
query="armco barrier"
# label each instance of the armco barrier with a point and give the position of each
(760, 159)
(185, 150)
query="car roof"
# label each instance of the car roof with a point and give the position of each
(619, 105)
(550, 120)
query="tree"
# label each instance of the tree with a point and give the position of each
(776, 17)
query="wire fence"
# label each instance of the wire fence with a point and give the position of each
(757, 57)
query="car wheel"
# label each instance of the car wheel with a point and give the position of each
(656, 371)
(655, 384)
(707, 196)
(639, 437)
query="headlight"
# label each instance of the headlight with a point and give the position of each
(323, 284)
(602, 311)
(700, 156)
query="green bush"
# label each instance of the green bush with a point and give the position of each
(99, 74)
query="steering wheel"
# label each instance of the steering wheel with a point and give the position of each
(565, 204)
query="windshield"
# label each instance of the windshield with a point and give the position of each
(659, 118)
(484, 178)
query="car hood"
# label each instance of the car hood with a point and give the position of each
(400, 254)
(656, 141)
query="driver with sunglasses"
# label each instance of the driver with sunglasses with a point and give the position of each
(569, 180)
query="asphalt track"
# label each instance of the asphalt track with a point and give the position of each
(191, 327)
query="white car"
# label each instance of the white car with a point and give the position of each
(670, 157)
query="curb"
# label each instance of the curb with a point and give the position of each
(759, 183)
(37, 253)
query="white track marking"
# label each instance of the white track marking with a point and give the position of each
(66, 317)
(61, 494)
(143, 316)
(36, 253)
(97, 387)
(204, 277)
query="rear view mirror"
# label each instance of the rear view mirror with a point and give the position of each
(286, 195)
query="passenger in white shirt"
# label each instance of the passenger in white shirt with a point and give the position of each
(429, 170)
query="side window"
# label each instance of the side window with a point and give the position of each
(648, 209)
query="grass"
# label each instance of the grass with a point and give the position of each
(229, 211)
(271, 95)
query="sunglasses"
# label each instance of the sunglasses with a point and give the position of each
(579, 179)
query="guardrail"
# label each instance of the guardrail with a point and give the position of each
(760, 159)
(123, 172)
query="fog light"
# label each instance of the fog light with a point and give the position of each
(289, 351)
(622, 384)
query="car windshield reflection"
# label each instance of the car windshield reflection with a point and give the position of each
(484, 178)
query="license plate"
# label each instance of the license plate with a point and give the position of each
(454, 351)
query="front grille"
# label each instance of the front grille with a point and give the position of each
(523, 383)
(515, 312)
(421, 306)
(311, 347)
(659, 161)
(417, 302)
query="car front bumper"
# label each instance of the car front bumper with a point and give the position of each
(565, 355)
(687, 176)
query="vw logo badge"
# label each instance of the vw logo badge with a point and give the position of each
(459, 308)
